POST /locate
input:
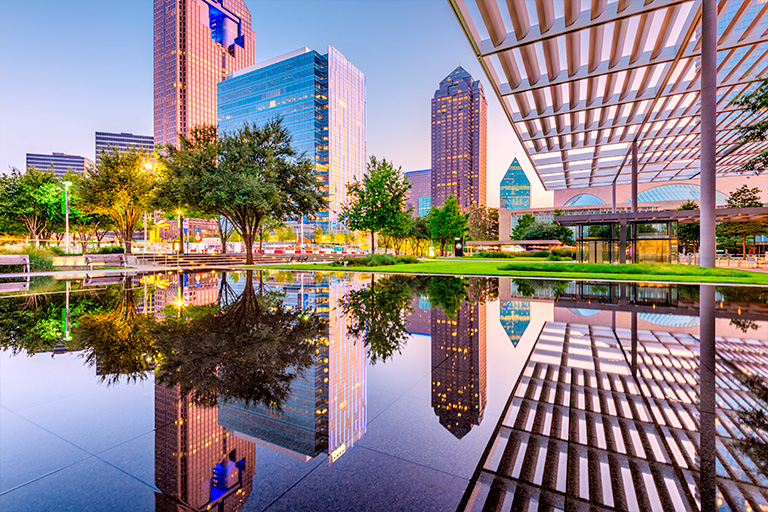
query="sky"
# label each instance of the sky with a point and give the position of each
(72, 68)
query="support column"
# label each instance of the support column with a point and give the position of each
(613, 197)
(708, 134)
(622, 241)
(707, 402)
(634, 176)
(633, 331)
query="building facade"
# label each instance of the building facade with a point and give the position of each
(196, 44)
(106, 141)
(459, 141)
(420, 195)
(322, 100)
(59, 163)
(515, 189)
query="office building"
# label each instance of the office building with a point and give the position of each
(459, 141)
(106, 141)
(459, 367)
(196, 44)
(515, 189)
(58, 163)
(420, 195)
(322, 101)
(515, 316)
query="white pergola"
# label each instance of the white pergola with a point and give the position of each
(581, 81)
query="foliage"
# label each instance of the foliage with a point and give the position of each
(483, 223)
(111, 249)
(523, 223)
(33, 199)
(40, 259)
(754, 103)
(375, 260)
(378, 313)
(548, 231)
(743, 197)
(86, 224)
(564, 252)
(494, 255)
(118, 187)
(419, 235)
(447, 223)
(688, 234)
(245, 176)
(377, 204)
(447, 293)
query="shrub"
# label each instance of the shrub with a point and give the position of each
(493, 254)
(375, 260)
(538, 254)
(564, 252)
(58, 251)
(111, 249)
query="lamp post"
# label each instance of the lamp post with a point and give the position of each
(181, 232)
(66, 184)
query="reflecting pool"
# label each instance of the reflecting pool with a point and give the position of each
(307, 391)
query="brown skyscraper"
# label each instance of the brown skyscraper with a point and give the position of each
(459, 144)
(196, 44)
(459, 368)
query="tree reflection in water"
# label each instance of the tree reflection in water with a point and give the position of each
(249, 349)
(378, 313)
(753, 445)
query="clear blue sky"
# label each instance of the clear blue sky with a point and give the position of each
(70, 68)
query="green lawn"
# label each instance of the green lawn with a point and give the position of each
(553, 269)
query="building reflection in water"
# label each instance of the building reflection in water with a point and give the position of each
(459, 367)
(624, 418)
(515, 316)
(199, 465)
(326, 410)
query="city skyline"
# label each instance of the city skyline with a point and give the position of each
(116, 95)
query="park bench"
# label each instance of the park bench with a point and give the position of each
(15, 259)
(103, 281)
(106, 259)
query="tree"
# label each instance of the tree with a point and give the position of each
(118, 187)
(447, 223)
(244, 176)
(754, 104)
(419, 235)
(31, 198)
(743, 197)
(378, 202)
(483, 223)
(688, 234)
(548, 231)
(523, 223)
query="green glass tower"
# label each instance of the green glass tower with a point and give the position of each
(515, 188)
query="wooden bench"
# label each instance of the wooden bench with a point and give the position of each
(102, 281)
(106, 259)
(15, 259)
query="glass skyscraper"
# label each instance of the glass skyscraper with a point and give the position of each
(322, 101)
(515, 188)
(459, 144)
(106, 141)
(420, 194)
(196, 44)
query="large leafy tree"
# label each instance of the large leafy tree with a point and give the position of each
(31, 198)
(483, 223)
(245, 176)
(447, 223)
(377, 203)
(118, 187)
(743, 197)
(523, 223)
(418, 234)
(688, 234)
(548, 231)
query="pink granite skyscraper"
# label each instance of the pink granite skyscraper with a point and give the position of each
(196, 44)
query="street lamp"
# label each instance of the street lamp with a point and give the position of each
(66, 184)
(181, 232)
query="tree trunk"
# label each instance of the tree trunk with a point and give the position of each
(744, 245)
(373, 243)
(128, 242)
(248, 239)
(261, 241)
(84, 245)
(224, 238)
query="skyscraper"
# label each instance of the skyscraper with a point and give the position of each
(106, 141)
(420, 195)
(196, 44)
(459, 141)
(321, 99)
(59, 163)
(515, 188)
